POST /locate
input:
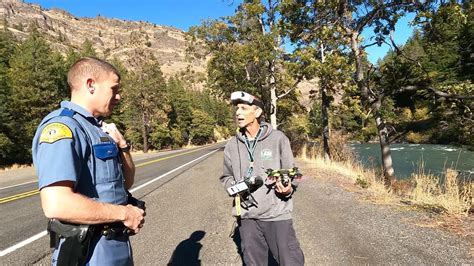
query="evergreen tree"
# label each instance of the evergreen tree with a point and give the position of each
(320, 54)
(429, 73)
(7, 44)
(71, 57)
(466, 48)
(87, 49)
(146, 102)
(202, 128)
(118, 116)
(247, 54)
(180, 115)
(348, 19)
(445, 65)
(36, 77)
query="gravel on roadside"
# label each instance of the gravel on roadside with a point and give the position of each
(189, 218)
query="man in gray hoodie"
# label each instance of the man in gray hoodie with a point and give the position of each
(264, 209)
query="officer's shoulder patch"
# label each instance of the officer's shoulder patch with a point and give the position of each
(54, 132)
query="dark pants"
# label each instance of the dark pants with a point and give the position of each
(258, 236)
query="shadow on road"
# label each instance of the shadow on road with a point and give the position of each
(187, 252)
(237, 241)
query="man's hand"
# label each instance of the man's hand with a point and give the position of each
(113, 132)
(134, 218)
(279, 188)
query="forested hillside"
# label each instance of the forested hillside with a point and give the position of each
(421, 92)
(155, 112)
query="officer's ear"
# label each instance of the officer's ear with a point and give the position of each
(90, 85)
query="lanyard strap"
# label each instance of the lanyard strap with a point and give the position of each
(251, 149)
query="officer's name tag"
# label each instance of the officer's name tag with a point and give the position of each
(54, 132)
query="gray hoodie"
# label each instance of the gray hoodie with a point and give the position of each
(272, 151)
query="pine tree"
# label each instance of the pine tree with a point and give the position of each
(6, 117)
(146, 102)
(87, 49)
(180, 115)
(247, 52)
(37, 80)
(202, 128)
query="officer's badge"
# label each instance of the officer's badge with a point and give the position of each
(266, 155)
(54, 132)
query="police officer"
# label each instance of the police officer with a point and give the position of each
(264, 210)
(84, 165)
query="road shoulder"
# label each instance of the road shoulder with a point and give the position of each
(348, 222)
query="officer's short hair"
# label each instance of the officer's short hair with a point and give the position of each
(89, 66)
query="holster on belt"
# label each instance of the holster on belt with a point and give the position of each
(77, 237)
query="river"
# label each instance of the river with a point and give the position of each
(407, 158)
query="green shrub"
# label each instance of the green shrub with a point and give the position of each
(417, 137)
(160, 137)
(406, 115)
(202, 128)
(422, 113)
(296, 129)
(362, 183)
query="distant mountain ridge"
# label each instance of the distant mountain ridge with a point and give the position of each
(126, 40)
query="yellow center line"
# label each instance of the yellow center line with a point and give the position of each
(34, 192)
(169, 157)
(19, 196)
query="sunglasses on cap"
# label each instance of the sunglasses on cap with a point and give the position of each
(243, 97)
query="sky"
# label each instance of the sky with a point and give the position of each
(183, 14)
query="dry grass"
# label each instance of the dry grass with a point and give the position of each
(423, 190)
(14, 167)
(349, 168)
(452, 195)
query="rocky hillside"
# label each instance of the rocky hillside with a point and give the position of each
(110, 37)
(129, 41)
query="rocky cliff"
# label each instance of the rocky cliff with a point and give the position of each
(128, 41)
(125, 40)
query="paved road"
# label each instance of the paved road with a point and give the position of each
(22, 217)
(188, 221)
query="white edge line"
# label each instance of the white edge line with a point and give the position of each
(17, 185)
(35, 181)
(23, 243)
(44, 233)
(169, 172)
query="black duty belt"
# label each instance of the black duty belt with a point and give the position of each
(112, 230)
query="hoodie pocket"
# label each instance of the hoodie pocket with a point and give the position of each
(266, 202)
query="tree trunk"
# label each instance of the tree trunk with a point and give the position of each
(145, 132)
(367, 99)
(273, 97)
(324, 112)
(272, 80)
(359, 75)
(387, 165)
